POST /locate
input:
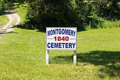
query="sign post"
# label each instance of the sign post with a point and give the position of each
(61, 38)
(74, 58)
(47, 57)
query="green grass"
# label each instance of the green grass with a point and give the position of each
(3, 18)
(22, 56)
(22, 10)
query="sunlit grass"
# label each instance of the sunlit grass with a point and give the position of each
(3, 18)
(22, 11)
(22, 56)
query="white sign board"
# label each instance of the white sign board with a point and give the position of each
(61, 38)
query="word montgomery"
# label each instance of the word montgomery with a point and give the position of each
(61, 31)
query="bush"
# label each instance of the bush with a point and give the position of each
(52, 13)
(2, 4)
(69, 13)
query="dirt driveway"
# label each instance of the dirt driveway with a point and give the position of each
(14, 20)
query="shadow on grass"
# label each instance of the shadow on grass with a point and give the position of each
(3, 32)
(2, 12)
(39, 28)
(61, 60)
(29, 27)
(11, 32)
(110, 60)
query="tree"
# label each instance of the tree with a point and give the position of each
(53, 12)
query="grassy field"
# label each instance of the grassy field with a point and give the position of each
(22, 56)
(3, 18)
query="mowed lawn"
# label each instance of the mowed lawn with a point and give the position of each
(22, 56)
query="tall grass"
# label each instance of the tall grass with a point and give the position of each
(103, 24)
(111, 24)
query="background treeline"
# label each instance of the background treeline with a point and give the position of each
(72, 13)
(2, 4)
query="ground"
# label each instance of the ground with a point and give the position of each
(23, 56)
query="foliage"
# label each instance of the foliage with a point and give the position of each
(62, 13)
(109, 9)
(70, 13)
(52, 13)
(22, 11)
(3, 4)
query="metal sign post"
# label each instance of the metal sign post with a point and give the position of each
(75, 58)
(61, 38)
(47, 57)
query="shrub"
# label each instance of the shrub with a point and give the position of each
(70, 13)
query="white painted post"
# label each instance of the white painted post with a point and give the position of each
(75, 58)
(47, 57)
